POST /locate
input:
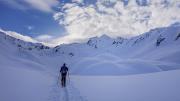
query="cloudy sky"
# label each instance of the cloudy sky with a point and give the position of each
(66, 21)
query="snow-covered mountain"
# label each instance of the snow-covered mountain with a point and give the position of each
(29, 70)
(154, 51)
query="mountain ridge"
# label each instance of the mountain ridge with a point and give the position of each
(103, 37)
(154, 51)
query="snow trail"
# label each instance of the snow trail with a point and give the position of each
(66, 95)
(69, 93)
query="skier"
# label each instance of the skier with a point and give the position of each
(63, 71)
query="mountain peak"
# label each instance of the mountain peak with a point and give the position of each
(18, 36)
(104, 36)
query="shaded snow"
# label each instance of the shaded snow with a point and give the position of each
(162, 86)
(29, 71)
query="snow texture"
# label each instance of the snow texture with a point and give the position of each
(101, 69)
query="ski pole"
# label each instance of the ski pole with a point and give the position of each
(58, 83)
(68, 78)
(60, 78)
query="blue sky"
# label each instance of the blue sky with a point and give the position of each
(32, 22)
(65, 21)
(29, 21)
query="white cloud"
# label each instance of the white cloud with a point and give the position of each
(14, 4)
(41, 5)
(82, 22)
(66, 39)
(50, 40)
(78, 1)
(44, 38)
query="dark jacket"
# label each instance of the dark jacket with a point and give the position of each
(64, 69)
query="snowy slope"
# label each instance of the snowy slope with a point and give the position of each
(29, 71)
(139, 54)
(154, 51)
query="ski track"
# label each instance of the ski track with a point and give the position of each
(69, 93)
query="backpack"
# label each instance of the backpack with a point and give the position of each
(64, 70)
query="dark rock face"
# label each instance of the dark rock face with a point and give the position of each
(160, 40)
(178, 36)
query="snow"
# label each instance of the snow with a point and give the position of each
(19, 84)
(107, 64)
(161, 86)
(130, 69)
(18, 36)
